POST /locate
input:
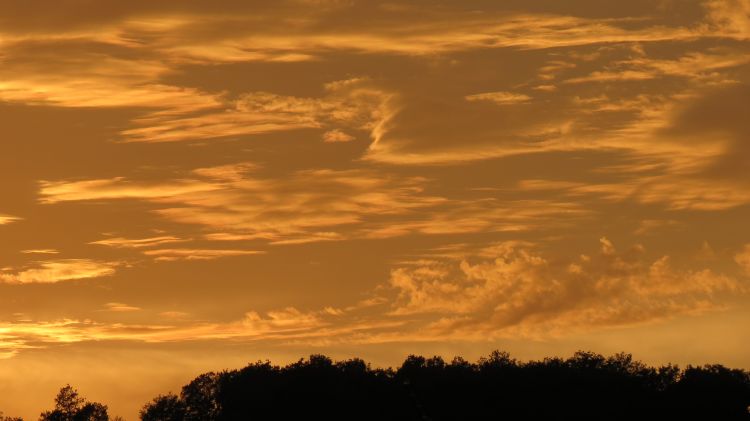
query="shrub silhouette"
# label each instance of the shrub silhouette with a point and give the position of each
(3, 417)
(586, 386)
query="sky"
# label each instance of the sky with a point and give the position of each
(192, 186)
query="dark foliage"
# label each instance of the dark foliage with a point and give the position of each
(587, 386)
(6, 418)
(71, 406)
(164, 408)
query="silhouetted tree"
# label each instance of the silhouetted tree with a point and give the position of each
(164, 408)
(712, 392)
(586, 386)
(92, 411)
(199, 398)
(71, 406)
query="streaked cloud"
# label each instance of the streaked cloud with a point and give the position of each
(116, 188)
(229, 172)
(54, 271)
(40, 251)
(169, 255)
(650, 226)
(695, 66)
(499, 97)
(311, 238)
(174, 314)
(283, 325)
(353, 103)
(120, 242)
(120, 307)
(7, 219)
(314, 205)
(291, 209)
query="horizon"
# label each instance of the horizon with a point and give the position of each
(193, 186)
(619, 364)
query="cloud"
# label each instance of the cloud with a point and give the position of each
(309, 206)
(353, 103)
(54, 271)
(483, 215)
(631, 114)
(507, 289)
(730, 17)
(127, 61)
(648, 226)
(120, 242)
(675, 192)
(743, 258)
(499, 97)
(696, 158)
(300, 207)
(337, 136)
(683, 154)
(432, 127)
(121, 308)
(428, 128)
(182, 32)
(696, 66)
(513, 290)
(29, 334)
(169, 255)
(313, 237)
(116, 188)
(40, 251)
(228, 172)
(281, 325)
(7, 219)
(174, 314)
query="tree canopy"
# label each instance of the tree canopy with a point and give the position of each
(584, 386)
(71, 406)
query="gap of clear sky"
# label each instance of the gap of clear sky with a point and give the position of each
(188, 186)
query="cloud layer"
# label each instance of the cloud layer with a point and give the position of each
(366, 175)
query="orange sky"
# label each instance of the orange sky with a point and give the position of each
(194, 185)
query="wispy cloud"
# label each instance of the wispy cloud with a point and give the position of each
(40, 251)
(121, 307)
(54, 271)
(281, 325)
(315, 205)
(168, 255)
(499, 97)
(120, 242)
(289, 209)
(352, 103)
(117, 188)
(7, 219)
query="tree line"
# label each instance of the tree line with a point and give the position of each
(586, 386)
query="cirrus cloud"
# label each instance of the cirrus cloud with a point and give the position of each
(54, 271)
